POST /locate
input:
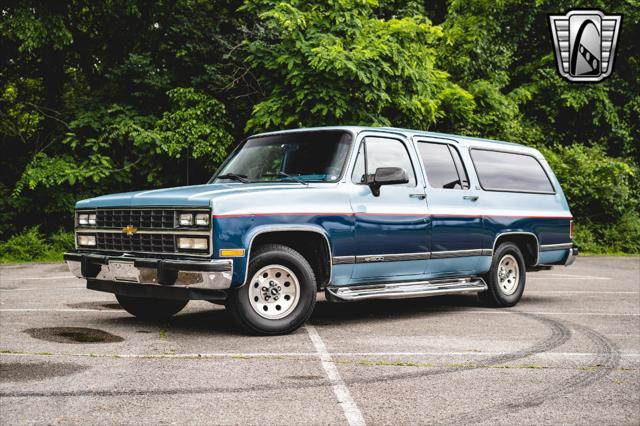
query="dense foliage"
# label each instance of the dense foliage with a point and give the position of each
(99, 97)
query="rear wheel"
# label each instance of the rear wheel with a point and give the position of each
(151, 309)
(506, 278)
(279, 295)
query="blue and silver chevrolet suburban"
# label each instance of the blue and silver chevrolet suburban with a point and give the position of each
(356, 212)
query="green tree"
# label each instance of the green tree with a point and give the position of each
(337, 62)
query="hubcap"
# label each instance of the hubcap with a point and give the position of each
(508, 274)
(274, 291)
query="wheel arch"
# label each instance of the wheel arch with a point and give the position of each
(317, 249)
(527, 242)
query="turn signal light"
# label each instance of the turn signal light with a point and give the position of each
(231, 252)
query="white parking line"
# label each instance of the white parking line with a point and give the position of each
(59, 277)
(62, 310)
(561, 276)
(351, 410)
(435, 311)
(40, 289)
(604, 314)
(580, 292)
(544, 355)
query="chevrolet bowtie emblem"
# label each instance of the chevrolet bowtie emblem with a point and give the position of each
(129, 230)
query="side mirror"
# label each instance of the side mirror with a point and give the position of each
(386, 176)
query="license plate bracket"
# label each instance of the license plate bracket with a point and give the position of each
(124, 271)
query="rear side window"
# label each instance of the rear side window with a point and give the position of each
(443, 165)
(507, 171)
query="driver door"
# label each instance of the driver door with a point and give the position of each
(392, 230)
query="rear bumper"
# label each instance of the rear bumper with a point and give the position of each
(161, 273)
(571, 257)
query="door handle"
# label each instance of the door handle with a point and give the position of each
(470, 197)
(418, 196)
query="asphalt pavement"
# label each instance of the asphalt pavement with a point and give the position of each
(568, 353)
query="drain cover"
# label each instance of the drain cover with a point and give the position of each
(73, 335)
(23, 372)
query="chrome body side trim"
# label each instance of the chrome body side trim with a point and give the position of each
(549, 247)
(376, 258)
(344, 260)
(409, 289)
(401, 257)
(455, 253)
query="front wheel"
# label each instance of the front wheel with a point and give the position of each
(279, 295)
(506, 278)
(151, 309)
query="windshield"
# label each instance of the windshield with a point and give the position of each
(316, 156)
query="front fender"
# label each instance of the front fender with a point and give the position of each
(247, 236)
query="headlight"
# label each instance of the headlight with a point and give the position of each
(186, 219)
(202, 219)
(87, 218)
(193, 219)
(193, 243)
(83, 219)
(87, 240)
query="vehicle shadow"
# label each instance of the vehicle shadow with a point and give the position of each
(219, 321)
(327, 313)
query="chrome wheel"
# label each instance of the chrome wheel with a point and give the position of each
(274, 292)
(508, 274)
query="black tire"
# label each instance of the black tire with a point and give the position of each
(241, 308)
(151, 309)
(495, 295)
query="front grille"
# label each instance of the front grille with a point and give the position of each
(152, 243)
(140, 218)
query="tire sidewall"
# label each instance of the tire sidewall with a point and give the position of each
(151, 308)
(499, 296)
(305, 304)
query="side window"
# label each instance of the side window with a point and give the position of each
(382, 152)
(443, 166)
(358, 170)
(509, 171)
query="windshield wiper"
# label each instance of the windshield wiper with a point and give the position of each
(286, 175)
(234, 176)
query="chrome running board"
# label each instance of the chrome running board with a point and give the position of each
(408, 289)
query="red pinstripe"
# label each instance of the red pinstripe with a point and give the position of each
(226, 216)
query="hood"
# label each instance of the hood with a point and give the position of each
(187, 196)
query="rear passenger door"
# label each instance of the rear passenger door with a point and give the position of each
(457, 229)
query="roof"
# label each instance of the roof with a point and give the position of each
(464, 140)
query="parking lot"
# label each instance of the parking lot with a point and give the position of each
(569, 352)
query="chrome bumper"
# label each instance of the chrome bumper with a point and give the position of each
(571, 257)
(190, 274)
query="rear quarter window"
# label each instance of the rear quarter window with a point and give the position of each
(511, 172)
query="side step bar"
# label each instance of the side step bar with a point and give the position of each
(407, 289)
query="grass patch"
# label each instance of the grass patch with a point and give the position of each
(32, 246)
